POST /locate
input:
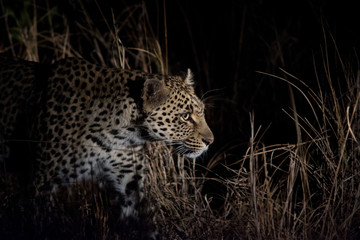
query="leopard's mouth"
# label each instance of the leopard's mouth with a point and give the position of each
(189, 151)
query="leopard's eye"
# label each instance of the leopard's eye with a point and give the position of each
(185, 116)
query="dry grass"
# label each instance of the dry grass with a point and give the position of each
(306, 190)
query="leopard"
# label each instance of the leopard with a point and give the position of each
(91, 122)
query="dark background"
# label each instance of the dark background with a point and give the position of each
(226, 42)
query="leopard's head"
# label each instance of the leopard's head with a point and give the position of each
(174, 114)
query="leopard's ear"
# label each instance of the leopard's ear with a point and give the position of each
(189, 79)
(154, 94)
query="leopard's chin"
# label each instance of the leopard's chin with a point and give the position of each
(195, 154)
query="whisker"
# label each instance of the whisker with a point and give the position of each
(204, 98)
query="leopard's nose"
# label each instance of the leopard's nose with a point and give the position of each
(208, 141)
